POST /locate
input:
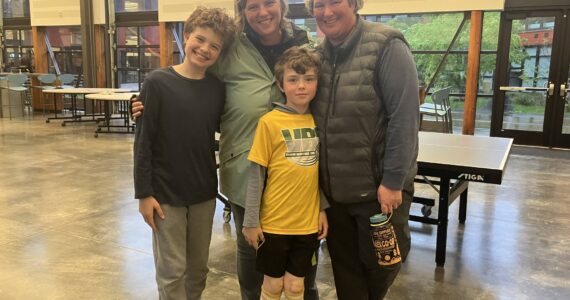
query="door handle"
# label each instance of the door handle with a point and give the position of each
(563, 90)
(550, 89)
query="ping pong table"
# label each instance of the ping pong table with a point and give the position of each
(456, 160)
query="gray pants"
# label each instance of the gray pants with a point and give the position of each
(250, 279)
(181, 248)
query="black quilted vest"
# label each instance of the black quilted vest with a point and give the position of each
(350, 115)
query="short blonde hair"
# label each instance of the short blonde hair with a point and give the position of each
(215, 19)
(358, 4)
(299, 59)
(240, 13)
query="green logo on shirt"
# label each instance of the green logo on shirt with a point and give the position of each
(302, 145)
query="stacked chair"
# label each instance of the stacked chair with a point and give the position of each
(15, 83)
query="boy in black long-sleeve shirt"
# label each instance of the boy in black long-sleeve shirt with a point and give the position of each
(175, 166)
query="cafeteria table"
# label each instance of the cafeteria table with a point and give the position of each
(74, 92)
(123, 102)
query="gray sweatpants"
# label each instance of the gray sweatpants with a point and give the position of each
(181, 248)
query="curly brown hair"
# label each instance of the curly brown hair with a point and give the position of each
(215, 19)
(299, 59)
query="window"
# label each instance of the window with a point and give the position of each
(137, 54)
(309, 24)
(532, 26)
(548, 25)
(135, 5)
(429, 35)
(18, 50)
(65, 42)
(137, 41)
(178, 31)
(16, 8)
(530, 61)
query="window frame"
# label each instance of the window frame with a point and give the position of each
(67, 53)
(139, 47)
(19, 47)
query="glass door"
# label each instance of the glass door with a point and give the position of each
(532, 78)
(563, 139)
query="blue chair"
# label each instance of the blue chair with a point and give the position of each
(15, 83)
(66, 81)
(47, 82)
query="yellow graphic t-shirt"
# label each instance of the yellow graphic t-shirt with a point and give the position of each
(288, 146)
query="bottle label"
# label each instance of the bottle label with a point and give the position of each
(385, 244)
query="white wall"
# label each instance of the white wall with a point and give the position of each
(67, 12)
(55, 12)
(420, 6)
(179, 10)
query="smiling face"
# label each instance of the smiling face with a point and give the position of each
(203, 47)
(264, 18)
(299, 89)
(335, 18)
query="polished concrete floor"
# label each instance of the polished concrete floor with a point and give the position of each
(70, 229)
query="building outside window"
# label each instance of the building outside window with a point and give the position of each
(65, 43)
(16, 8)
(535, 35)
(137, 41)
(137, 54)
(18, 51)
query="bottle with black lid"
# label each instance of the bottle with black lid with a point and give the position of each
(384, 240)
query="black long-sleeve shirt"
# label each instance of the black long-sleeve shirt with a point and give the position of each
(174, 158)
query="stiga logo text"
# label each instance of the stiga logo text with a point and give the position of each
(472, 177)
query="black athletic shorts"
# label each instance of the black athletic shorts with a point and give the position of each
(291, 253)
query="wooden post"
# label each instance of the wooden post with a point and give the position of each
(100, 68)
(166, 45)
(88, 43)
(40, 63)
(472, 80)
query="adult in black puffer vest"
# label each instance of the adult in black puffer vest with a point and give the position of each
(367, 116)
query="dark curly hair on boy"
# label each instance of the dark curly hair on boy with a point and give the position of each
(215, 19)
(299, 59)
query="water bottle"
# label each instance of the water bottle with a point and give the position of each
(384, 240)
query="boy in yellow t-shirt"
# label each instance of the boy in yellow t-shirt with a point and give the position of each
(284, 213)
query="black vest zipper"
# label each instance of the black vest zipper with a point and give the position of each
(328, 114)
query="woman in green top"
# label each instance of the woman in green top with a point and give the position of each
(247, 71)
